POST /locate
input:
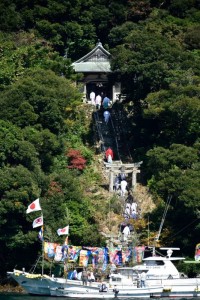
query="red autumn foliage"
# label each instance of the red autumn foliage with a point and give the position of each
(76, 160)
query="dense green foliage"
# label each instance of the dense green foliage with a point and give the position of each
(159, 60)
(155, 51)
(38, 126)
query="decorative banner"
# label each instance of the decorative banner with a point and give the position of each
(83, 260)
(73, 253)
(197, 252)
(58, 255)
(98, 257)
(50, 250)
(106, 258)
(95, 259)
(34, 206)
(64, 250)
(93, 255)
(138, 254)
(126, 255)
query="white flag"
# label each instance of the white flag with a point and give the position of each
(38, 222)
(34, 206)
(62, 231)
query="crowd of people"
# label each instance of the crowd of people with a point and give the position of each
(121, 185)
(100, 100)
(85, 276)
(88, 277)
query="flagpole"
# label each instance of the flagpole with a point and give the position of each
(43, 247)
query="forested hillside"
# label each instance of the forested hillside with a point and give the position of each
(46, 145)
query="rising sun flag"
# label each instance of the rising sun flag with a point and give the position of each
(38, 222)
(34, 206)
(62, 231)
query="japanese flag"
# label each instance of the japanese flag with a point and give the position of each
(34, 206)
(63, 231)
(38, 222)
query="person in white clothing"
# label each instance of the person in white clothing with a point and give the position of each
(134, 210)
(91, 277)
(109, 159)
(92, 97)
(98, 101)
(134, 206)
(126, 232)
(127, 212)
(123, 187)
(143, 279)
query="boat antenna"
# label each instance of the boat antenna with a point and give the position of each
(169, 198)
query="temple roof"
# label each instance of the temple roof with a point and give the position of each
(97, 60)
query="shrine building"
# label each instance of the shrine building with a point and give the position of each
(96, 70)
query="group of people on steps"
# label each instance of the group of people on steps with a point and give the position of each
(101, 102)
(120, 180)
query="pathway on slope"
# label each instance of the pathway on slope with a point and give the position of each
(113, 135)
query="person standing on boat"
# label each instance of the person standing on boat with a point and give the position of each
(74, 275)
(91, 277)
(84, 277)
(138, 280)
(143, 279)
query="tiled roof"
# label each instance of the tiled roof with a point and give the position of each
(97, 60)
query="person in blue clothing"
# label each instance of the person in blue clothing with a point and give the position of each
(106, 102)
(106, 115)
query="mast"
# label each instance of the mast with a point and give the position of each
(42, 228)
(161, 224)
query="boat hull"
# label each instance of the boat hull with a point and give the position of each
(94, 293)
(36, 284)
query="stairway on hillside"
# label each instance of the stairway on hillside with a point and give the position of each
(114, 135)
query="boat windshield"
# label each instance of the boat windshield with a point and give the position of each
(155, 263)
(126, 272)
(116, 279)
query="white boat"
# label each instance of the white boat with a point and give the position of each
(161, 273)
(37, 284)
